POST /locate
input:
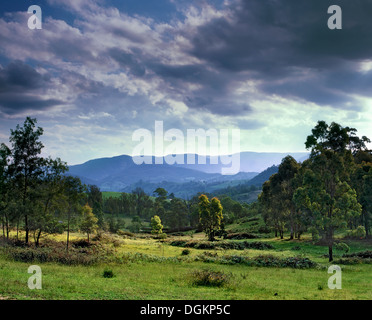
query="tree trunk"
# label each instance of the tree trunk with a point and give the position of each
(68, 233)
(330, 244)
(26, 229)
(330, 253)
(17, 228)
(38, 238)
(366, 226)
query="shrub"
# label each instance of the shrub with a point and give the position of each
(237, 245)
(161, 236)
(210, 278)
(125, 233)
(367, 254)
(342, 247)
(185, 252)
(58, 254)
(81, 243)
(108, 273)
(240, 236)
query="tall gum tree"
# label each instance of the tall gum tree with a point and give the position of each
(326, 192)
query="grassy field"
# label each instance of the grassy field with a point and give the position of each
(160, 271)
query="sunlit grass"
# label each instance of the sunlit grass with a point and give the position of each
(171, 280)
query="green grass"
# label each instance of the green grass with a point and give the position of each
(172, 279)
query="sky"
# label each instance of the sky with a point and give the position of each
(99, 70)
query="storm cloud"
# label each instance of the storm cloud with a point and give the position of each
(271, 68)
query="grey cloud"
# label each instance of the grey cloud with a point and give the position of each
(278, 40)
(15, 103)
(17, 76)
(128, 61)
(21, 88)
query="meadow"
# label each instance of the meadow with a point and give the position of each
(142, 267)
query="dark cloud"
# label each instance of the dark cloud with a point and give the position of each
(280, 41)
(21, 88)
(128, 61)
(15, 103)
(18, 76)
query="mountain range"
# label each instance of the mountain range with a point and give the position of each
(121, 174)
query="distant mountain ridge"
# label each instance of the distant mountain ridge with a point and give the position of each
(121, 173)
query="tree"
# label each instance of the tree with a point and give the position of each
(271, 204)
(27, 165)
(286, 187)
(325, 191)
(74, 192)
(361, 181)
(142, 201)
(176, 216)
(136, 224)
(156, 226)
(4, 187)
(89, 222)
(210, 215)
(95, 201)
(161, 203)
(48, 194)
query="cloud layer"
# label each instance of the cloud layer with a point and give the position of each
(100, 69)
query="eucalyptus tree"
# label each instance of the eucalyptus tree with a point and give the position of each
(26, 167)
(4, 188)
(210, 213)
(326, 192)
(47, 195)
(73, 194)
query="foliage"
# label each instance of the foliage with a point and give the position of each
(358, 233)
(89, 222)
(236, 245)
(210, 214)
(157, 227)
(342, 246)
(108, 273)
(210, 278)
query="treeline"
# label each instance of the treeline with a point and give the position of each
(36, 195)
(331, 190)
(175, 213)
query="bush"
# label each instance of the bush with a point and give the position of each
(125, 233)
(240, 236)
(341, 246)
(290, 262)
(82, 243)
(362, 254)
(237, 245)
(161, 236)
(108, 273)
(58, 254)
(185, 252)
(210, 278)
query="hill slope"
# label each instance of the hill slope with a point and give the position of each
(122, 174)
